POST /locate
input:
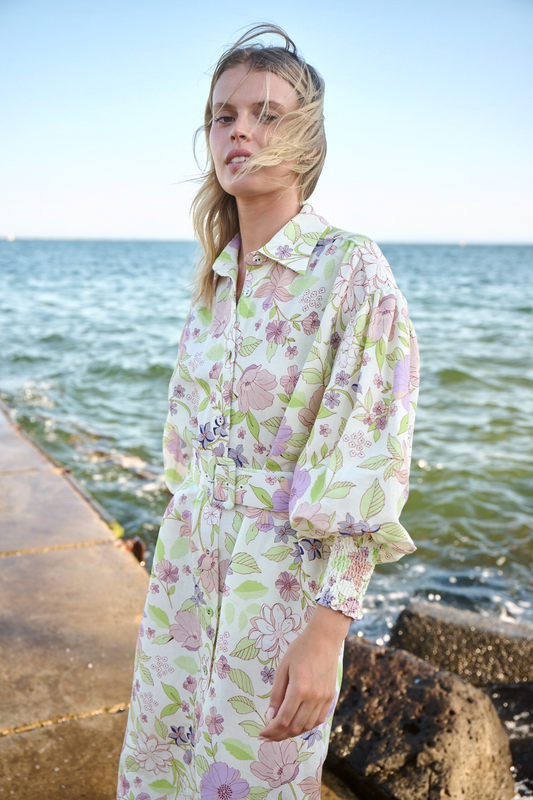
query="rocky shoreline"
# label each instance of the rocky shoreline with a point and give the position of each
(444, 711)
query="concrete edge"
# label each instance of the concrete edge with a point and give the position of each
(115, 527)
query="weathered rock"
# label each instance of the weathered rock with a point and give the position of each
(334, 789)
(483, 650)
(405, 730)
(514, 705)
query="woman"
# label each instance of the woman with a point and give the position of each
(287, 450)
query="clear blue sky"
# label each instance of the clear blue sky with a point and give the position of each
(429, 114)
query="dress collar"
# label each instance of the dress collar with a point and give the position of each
(292, 246)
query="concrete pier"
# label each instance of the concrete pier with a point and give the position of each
(70, 607)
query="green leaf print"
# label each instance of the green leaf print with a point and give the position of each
(243, 621)
(229, 613)
(245, 650)
(335, 462)
(184, 372)
(404, 424)
(252, 533)
(271, 351)
(165, 638)
(277, 553)
(131, 764)
(159, 551)
(317, 489)
(247, 308)
(251, 728)
(328, 269)
(248, 345)
(242, 680)
(372, 501)
(263, 496)
(339, 489)
(171, 692)
(293, 231)
(180, 547)
(251, 590)
(161, 784)
(324, 412)
(186, 663)
(173, 476)
(236, 417)
(392, 532)
(380, 353)
(239, 750)
(244, 564)
(201, 765)
(304, 756)
(161, 728)
(272, 424)
(312, 375)
(257, 793)
(376, 462)
(216, 353)
(203, 405)
(272, 465)
(205, 314)
(253, 425)
(172, 708)
(145, 675)
(159, 616)
(302, 283)
(242, 704)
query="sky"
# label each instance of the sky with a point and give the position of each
(428, 112)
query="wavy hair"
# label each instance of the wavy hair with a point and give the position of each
(300, 138)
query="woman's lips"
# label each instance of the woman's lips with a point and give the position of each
(236, 158)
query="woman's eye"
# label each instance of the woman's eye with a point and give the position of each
(267, 117)
(223, 118)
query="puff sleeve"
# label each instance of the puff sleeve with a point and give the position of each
(351, 479)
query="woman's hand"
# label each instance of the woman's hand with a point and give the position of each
(306, 677)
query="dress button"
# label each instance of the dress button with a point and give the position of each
(257, 259)
(247, 292)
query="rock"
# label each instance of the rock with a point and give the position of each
(405, 730)
(483, 650)
(334, 789)
(514, 705)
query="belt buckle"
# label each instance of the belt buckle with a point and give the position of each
(224, 482)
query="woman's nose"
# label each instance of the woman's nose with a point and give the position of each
(240, 132)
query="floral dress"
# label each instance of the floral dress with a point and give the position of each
(287, 450)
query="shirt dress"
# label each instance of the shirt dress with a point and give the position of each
(287, 450)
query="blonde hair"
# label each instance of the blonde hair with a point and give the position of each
(301, 138)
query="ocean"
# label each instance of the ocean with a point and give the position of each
(89, 334)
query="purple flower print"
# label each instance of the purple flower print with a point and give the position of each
(325, 430)
(138, 782)
(332, 399)
(198, 596)
(349, 527)
(187, 757)
(291, 351)
(290, 380)
(178, 734)
(335, 341)
(222, 782)
(167, 572)
(220, 426)
(342, 378)
(283, 531)
(237, 454)
(277, 763)
(206, 436)
(312, 546)
(173, 407)
(381, 423)
(288, 587)
(283, 251)
(312, 736)
(400, 386)
(223, 668)
(216, 369)
(210, 631)
(300, 483)
(280, 277)
(268, 675)
(124, 784)
(179, 391)
(297, 554)
(277, 331)
(280, 442)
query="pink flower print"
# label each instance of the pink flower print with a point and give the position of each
(348, 350)
(274, 289)
(172, 407)
(379, 407)
(216, 369)
(351, 284)
(332, 399)
(290, 380)
(167, 572)
(311, 323)
(222, 782)
(189, 684)
(310, 514)
(258, 324)
(179, 391)
(223, 668)
(274, 629)
(221, 317)
(381, 423)
(124, 784)
(187, 630)
(198, 715)
(291, 351)
(182, 499)
(312, 786)
(161, 666)
(150, 633)
(277, 763)
(268, 675)
(382, 319)
(324, 430)
(277, 331)
(235, 339)
(252, 389)
(170, 508)
(368, 419)
(176, 446)
(186, 569)
(241, 433)
(208, 566)
(271, 480)
(212, 693)
(214, 722)
(335, 342)
(196, 333)
(263, 517)
(227, 392)
(342, 378)
(154, 588)
(185, 708)
(414, 372)
(151, 755)
(280, 442)
(211, 514)
(259, 448)
(137, 782)
(376, 266)
(378, 380)
(365, 360)
(300, 483)
(288, 587)
(283, 251)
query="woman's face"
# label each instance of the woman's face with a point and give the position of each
(240, 129)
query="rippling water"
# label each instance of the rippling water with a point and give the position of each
(88, 339)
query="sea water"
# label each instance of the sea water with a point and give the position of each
(89, 334)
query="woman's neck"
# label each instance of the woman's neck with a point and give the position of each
(261, 217)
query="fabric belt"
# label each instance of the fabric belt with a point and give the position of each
(230, 485)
